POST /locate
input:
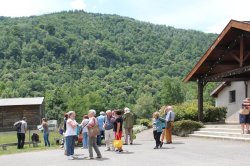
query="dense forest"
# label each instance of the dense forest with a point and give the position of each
(80, 60)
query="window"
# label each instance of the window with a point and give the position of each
(232, 97)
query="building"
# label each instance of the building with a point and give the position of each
(14, 109)
(230, 95)
(226, 60)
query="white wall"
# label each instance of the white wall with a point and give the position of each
(233, 108)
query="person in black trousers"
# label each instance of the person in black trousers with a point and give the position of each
(21, 133)
(157, 129)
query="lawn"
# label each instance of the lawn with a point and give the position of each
(11, 137)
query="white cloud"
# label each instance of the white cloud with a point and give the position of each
(78, 4)
(208, 16)
(17, 8)
(14, 8)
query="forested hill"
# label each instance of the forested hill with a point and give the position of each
(76, 57)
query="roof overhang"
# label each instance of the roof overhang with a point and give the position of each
(219, 89)
(228, 58)
(21, 101)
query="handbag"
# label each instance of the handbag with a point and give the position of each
(168, 125)
(244, 111)
(117, 143)
(93, 131)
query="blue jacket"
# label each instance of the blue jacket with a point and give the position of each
(101, 120)
(157, 124)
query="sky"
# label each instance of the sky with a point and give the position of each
(209, 16)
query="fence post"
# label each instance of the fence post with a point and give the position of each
(29, 138)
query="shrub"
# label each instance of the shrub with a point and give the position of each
(214, 114)
(184, 127)
(186, 111)
(145, 122)
(189, 111)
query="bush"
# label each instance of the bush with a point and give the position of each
(214, 114)
(186, 111)
(189, 111)
(145, 122)
(185, 127)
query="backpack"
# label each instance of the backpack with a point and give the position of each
(18, 126)
(35, 137)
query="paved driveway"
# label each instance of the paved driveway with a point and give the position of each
(184, 152)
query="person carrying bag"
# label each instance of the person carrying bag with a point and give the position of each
(93, 131)
(169, 123)
(244, 119)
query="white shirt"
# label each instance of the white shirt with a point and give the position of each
(70, 130)
(170, 116)
(84, 125)
(23, 126)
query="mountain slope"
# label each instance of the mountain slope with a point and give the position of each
(115, 59)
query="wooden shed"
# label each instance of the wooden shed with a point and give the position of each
(14, 109)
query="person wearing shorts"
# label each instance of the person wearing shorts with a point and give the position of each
(244, 119)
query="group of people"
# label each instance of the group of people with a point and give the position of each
(162, 126)
(108, 126)
(22, 127)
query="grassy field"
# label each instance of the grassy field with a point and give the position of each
(11, 137)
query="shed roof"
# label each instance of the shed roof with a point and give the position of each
(228, 58)
(21, 101)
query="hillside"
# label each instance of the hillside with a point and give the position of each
(82, 60)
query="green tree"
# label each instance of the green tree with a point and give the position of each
(172, 92)
(144, 106)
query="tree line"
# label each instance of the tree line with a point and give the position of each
(80, 60)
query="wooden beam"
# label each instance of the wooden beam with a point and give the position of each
(246, 89)
(241, 50)
(247, 55)
(200, 100)
(235, 57)
(240, 25)
(229, 73)
(231, 62)
(227, 79)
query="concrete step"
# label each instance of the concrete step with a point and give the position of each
(237, 126)
(226, 134)
(221, 130)
(220, 137)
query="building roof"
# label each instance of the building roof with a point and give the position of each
(21, 101)
(219, 88)
(228, 58)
